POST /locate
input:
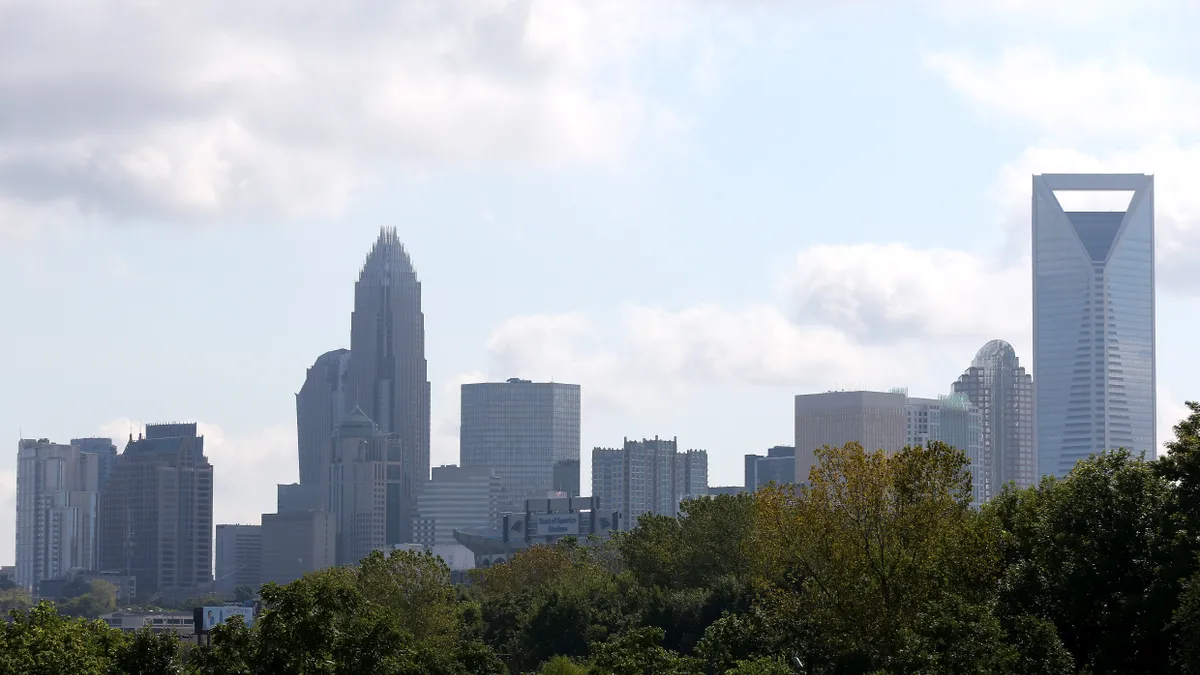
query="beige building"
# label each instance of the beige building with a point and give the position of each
(876, 420)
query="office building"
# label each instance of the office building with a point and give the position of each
(456, 498)
(239, 558)
(1000, 388)
(528, 432)
(156, 511)
(103, 449)
(299, 538)
(386, 375)
(647, 476)
(368, 489)
(540, 522)
(1093, 318)
(319, 405)
(297, 497)
(778, 466)
(57, 509)
(875, 420)
(955, 421)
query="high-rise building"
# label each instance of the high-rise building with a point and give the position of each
(778, 466)
(386, 375)
(457, 498)
(57, 495)
(103, 449)
(367, 489)
(156, 511)
(319, 405)
(875, 420)
(1093, 319)
(299, 538)
(1000, 388)
(955, 421)
(528, 432)
(647, 476)
(239, 558)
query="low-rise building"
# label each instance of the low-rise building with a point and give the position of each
(159, 622)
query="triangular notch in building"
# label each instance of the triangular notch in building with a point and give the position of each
(1097, 230)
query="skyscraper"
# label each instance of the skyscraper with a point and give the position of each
(386, 374)
(1000, 388)
(457, 498)
(1093, 320)
(300, 537)
(239, 558)
(527, 432)
(955, 421)
(875, 420)
(57, 495)
(647, 476)
(368, 487)
(103, 449)
(319, 406)
(156, 519)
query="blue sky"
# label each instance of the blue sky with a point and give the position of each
(693, 209)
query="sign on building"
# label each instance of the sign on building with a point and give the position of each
(557, 524)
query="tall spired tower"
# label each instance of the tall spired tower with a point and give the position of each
(387, 376)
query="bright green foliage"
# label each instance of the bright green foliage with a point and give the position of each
(146, 653)
(561, 665)
(639, 652)
(14, 598)
(41, 642)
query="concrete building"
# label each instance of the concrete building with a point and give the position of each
(1093, 317)
(297, 539)
(387, 374)
(528, 432)
(368, 489)
(156, 511)
(540, 521)
(456, 498)
(955, 421)
(297, 497)
(1000, 388)
(57, 510)
(180, 623)
(104, 450)
(647, 476)
(875, 420)
(239, 558)
(778, 466)
(320, 403)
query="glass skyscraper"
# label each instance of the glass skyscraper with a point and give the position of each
(386, 376)
(1093, 320)
(528, 432)
(1000, 388)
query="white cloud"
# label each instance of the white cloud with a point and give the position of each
(1059, 14)
(1120, 97)
(857, 315)
(1171, 411)
(8, 510)
(194, 110)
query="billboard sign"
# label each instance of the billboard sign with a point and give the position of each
(557, 524)
(209, 617)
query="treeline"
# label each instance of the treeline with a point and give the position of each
(879, 567)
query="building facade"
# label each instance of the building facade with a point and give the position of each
(778, 466)
(156, 511)
(875, 420)
(239, 558)
(527, 432)
(299, 538)
(368, 489)
(320, 404)
(57, 509)
(1093, 321)
(647, 476)
(387, 373)
(955, 421)
(456, 498)
(1000, 388)
(103, 449)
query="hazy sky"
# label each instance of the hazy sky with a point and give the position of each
(693, 209)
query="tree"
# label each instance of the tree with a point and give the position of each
(243, 594)
(640, 652)
(41, 642)
(15, 598)
(148, 653)
(101, 598)
(1099, 554)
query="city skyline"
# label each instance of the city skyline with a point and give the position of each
(685, 214)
